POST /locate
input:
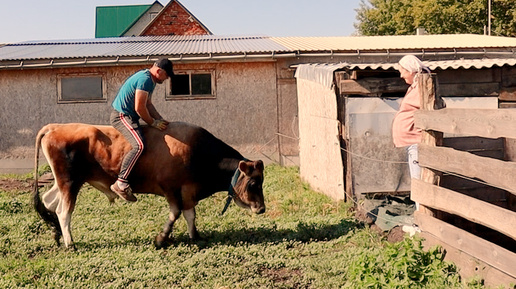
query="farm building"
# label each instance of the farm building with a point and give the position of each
(323, 103)
(252, 97)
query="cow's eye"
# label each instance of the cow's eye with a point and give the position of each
(253, 185)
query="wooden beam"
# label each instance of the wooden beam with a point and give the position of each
(495, 172)
(490, 123)
(492, 254)
(429, 102)
(469, 89)
(373, 86)
(494, 217)
(507, 94)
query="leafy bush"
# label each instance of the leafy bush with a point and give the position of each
(402, 265)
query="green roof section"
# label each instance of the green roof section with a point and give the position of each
(113, 21)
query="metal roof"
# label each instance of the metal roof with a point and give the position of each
(398, 42)
(443, 64)
(113, 21)
(208, 47)
(139, 46)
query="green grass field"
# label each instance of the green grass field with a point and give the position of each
(304, 240)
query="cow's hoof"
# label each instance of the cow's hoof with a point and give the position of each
(196, 237)
(162, 242)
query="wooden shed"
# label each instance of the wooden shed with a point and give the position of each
(467, 195)
(346, 111)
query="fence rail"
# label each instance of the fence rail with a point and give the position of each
(436, 201)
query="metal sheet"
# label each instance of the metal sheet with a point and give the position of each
(377, 166)
(321, 73)
(396, 42)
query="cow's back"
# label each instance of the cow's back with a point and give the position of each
(183, 153)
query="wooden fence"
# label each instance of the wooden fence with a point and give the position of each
(478, 233)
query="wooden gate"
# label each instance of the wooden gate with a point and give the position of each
(477, 230)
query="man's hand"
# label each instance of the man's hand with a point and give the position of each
(160, 124)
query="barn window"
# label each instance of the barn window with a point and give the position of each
(191, 84)
(81, 88)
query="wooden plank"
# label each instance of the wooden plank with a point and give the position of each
(469, 266)
(430, 138)
(473, 143)
(507, 94)
(490, 123)
(480, 212)
(507, 105)
(495, 172)
(372, 86)
(469, 89)
(469, 76)
(490, 253)
(508, 76)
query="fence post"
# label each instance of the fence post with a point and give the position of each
(429, 101)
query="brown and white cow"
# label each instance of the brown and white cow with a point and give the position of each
(184, 163)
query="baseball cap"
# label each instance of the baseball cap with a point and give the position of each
(166, 65)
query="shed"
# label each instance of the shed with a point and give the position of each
(346, 111)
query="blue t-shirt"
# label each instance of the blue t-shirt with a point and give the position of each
(125, 99)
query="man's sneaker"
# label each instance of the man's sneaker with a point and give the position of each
(126, 194)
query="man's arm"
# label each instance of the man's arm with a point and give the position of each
(140, 106)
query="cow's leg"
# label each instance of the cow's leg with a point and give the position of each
(163, 239)
(104, 187)
(190, 222)
(50, 201)
(51, 198)
(64, 210)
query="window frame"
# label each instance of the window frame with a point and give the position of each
(191, 96)
(102, 77)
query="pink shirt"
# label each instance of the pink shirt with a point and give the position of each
(404, 133)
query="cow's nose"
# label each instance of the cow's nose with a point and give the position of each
(260, 210)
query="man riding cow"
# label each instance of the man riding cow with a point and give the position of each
(182, 162)
(134, 101)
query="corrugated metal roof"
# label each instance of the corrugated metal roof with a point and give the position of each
(354, 43)
(139, 46)
(444, 64)
(197, 47)
(319, 72)
(113, 21)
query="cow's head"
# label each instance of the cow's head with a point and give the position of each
(249, 190)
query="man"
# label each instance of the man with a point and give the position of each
(133, 102)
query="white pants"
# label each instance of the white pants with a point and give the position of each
(413, 161)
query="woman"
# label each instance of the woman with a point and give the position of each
(404, 133)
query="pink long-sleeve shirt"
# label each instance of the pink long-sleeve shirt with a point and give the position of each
(404, 133)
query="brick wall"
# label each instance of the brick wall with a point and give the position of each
(175, 20)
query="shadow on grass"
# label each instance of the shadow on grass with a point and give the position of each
(304, 232)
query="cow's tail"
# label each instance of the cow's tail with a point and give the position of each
(48, 216)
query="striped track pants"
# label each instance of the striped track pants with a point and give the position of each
(130, 129)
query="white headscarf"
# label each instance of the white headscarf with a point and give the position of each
(412, 64)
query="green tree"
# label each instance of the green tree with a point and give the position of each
(402, 17)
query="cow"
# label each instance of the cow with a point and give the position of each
(184, 163)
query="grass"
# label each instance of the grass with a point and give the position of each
(304, 240)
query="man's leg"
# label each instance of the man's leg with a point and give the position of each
(130, 129)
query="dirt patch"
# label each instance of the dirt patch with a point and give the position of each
(395, 235)
(285, 276)
(11, 185)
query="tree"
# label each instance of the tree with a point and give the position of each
(403, 17)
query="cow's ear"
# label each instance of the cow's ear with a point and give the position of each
(245, 168)
(259, 166)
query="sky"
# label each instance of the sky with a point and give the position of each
(28, 20)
